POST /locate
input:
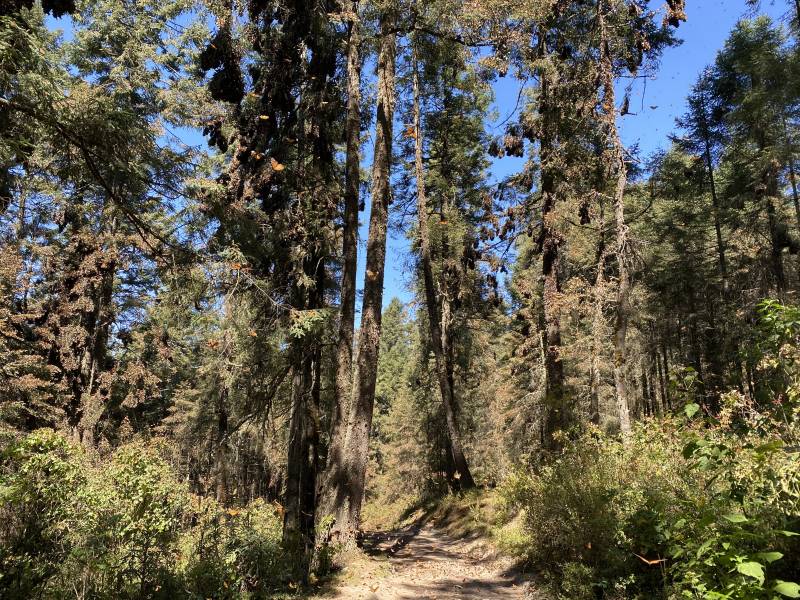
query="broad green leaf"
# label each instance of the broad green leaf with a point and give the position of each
(691, 409)
(703, 547)
(752, 569)
(735, 518)
(769, 557)
(689, 449)
(787, 588)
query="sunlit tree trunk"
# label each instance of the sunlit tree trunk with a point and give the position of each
(360, 419)
(334, 492)
(598, 321)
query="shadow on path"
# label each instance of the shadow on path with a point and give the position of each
(423, 563)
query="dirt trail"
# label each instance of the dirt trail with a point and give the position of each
(427, 564)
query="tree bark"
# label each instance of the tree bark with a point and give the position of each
(718, 336)
(557, 414)
(766, 191)
(295, 526)
(84, 302)
(664, 377)
(795, 196)
(439, 341)
(694, 340)
(617, 160)
(658, 400)
(715, 353)
(334, 496)
(360, 420)
(597, 324)
(303, 453)
(722, 262)
(776, 249)
(220, 451)
(792, 173)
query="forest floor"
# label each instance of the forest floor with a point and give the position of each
(425, 563)
(433, 558)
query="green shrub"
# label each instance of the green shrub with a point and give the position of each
(683, 510)
(126, 528)
(598, 505)
(695, 506)
(234, 553)
(576, 582)
(38, 482)
(126, 532)
(735, 539)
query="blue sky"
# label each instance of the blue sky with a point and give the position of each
(708, 25)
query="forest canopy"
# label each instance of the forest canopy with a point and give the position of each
(205, 391)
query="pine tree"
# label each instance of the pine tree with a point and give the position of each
(747, 82)
(280, 199)
(95, 201)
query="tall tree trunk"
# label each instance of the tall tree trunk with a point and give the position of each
(617, 166)
(664, 375)
(722, 264)
(622, 311)
(309, 501)
(93, 403)
(715, 353)
(658, 399)
(360, 420)
(557, 413)
(303, 455)
(648, 403)
(595, 377)
(792, 173)
(776, 249)
(334, 495)
(295, 530)
(718, 336)
(795, 196)
(439, 341)
(766, 192)
(220, 450)
(85, 302)
(694, 341)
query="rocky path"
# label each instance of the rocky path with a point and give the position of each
(427, 564)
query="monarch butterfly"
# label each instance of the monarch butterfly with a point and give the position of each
(650, 562)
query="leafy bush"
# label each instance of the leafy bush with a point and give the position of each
(126, 528)
(234, 553)
(693, 506)
(125, 533)
(738, 542)
(678, 510)
(598, 506)
(38, 481)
